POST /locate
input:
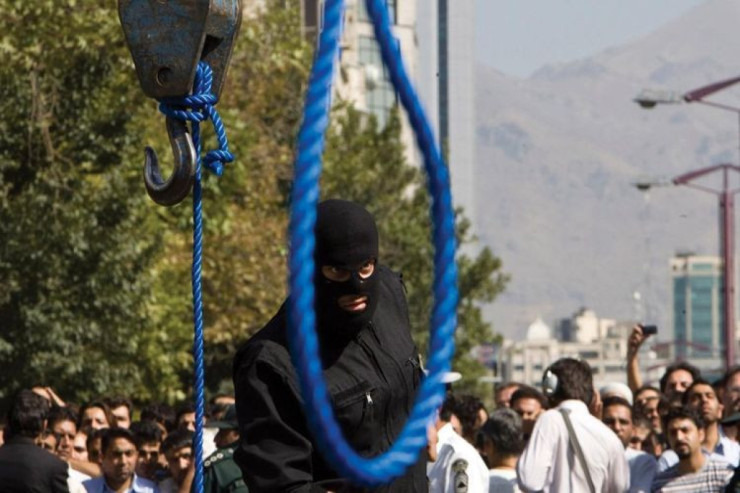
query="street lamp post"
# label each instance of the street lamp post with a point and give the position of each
(649, 99)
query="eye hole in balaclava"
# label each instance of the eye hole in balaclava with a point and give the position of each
(346, 240)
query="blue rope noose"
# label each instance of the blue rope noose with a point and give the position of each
(301, 314)
(202, 102)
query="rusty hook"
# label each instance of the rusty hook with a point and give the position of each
(180, 182)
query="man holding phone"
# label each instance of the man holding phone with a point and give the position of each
(637, 337)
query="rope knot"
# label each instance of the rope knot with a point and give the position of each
(199, 107)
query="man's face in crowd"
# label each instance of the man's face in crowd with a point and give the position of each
(79, 447)
(732, 394)
(529, 409)
(47, 441)
(119, 462)
(684, 437)
(148, 461)
(619, 419)
(650, 409)
(95, 452)
(646, 396)
(95, 418)
(352, 303)
(178, 461)
(65, 431)
(703, 398)
(121, 417)
(503, 397)
(186, 421)
(677, 383)
(640, 435)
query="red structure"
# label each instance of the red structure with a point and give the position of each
(726, 195)
(727, 244)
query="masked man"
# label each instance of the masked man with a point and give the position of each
(370, 364)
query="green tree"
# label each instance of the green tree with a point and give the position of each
(76, 245)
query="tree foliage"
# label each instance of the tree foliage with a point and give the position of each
(74, 263)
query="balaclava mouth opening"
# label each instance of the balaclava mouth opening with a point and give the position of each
(346, 237)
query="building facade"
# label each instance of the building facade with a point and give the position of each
(697, 314)
(601, 342)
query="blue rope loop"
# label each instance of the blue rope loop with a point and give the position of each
(301, 315)
(202, 102)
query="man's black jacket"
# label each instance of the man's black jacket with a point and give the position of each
(372, 378)
(25, 467)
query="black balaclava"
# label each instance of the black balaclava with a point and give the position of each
(346, 237)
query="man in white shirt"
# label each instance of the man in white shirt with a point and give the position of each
(617, 415)
(702, 397)
(550, 463)
(459, 467)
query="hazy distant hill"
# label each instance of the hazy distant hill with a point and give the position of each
(558, 153)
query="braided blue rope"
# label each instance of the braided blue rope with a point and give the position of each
(302, 318)
(201, 102)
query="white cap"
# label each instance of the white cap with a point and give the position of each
(616, 389)
(451, 377)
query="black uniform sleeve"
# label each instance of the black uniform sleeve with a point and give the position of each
(274, 454)
(59, 480)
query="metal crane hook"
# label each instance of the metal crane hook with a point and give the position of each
(178, 185)
(167, 40)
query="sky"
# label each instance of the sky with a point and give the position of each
(554, 31)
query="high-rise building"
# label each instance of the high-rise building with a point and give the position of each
(362, 78)
(697, 307)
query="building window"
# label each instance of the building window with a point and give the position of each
(381, 97)
(363, 16)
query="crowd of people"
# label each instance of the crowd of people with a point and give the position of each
(561, 435)
(49, 445)
(564, 435)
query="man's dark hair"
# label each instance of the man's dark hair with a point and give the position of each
(684, 412)
(116, 401)
(528, 392)
(615, 400)
(466, 410)
(58, 414)
(161, 413)
(681, 365)
(697, 381)
(147, 431)
(177, 439)
(644, 388)
(185, 408)
(504, 429)
(100, 405)
(575, 381)
(448, 408)
(27, 415)
(110, 434)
